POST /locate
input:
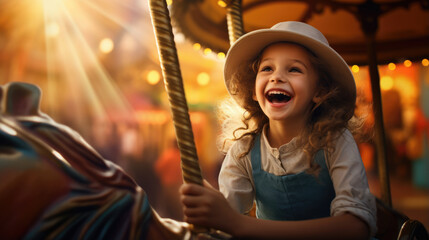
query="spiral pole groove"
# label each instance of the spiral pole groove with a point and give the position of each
(174, 86)
(235, 20)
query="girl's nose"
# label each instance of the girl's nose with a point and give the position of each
(277, 77)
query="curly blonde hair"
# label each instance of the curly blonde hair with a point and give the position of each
(328, 118)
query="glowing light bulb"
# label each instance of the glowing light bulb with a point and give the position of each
(207, 51)
(221, 55)
(407, 63)
(355, 68)
(425, 62)
(196, 46)
(391, 66)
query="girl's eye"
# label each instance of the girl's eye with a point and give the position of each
(265, 69)
(295, 69)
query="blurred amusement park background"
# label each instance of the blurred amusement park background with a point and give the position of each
(98, 67)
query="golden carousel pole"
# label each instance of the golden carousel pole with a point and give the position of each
(176, 95)
(234, 19)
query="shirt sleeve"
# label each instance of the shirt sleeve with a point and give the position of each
(350, 182)
(235, 181)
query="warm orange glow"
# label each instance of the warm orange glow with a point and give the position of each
(386, 83)
(156, 117)
(406, 87)
(203, 79)
(169, 2)
(196, 117)
(391, 66)
(425, 62)
(355, 68)
(407, 63)
(153, 77)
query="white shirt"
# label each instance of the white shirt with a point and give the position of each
(345, 168)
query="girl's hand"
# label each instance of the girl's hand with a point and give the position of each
(207, 207)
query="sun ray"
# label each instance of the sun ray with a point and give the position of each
(71, 58)
(124, 22)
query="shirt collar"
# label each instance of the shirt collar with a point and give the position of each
(287, 147)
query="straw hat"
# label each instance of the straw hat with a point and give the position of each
(248, 46)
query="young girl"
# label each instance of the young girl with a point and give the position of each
(295, 156)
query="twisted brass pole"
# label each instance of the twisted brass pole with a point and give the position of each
(174, 86)
(234, 20)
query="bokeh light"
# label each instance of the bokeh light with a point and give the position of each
(221, 55)
(391, 66)
(203, 79)
(207, 51)
(153, 77)
(221, 3)
(407, 63)
(106, 45)
(386, 83)
(196, 46)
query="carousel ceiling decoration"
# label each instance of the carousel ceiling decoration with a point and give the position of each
(402, 26)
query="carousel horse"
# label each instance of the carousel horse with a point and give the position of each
(54, 185)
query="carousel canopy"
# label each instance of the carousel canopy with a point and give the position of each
(402, 25)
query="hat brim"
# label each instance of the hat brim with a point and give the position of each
(246, 48)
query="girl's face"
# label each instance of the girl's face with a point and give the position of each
(286, 81)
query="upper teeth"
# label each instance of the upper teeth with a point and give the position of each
(277, 92)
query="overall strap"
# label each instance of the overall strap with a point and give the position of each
(255, 155)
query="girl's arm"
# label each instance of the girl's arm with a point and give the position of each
(205, 206)
(350, 183)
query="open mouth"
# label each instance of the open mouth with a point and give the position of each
(278, 96)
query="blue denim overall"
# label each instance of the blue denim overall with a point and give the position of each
(298, 196)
